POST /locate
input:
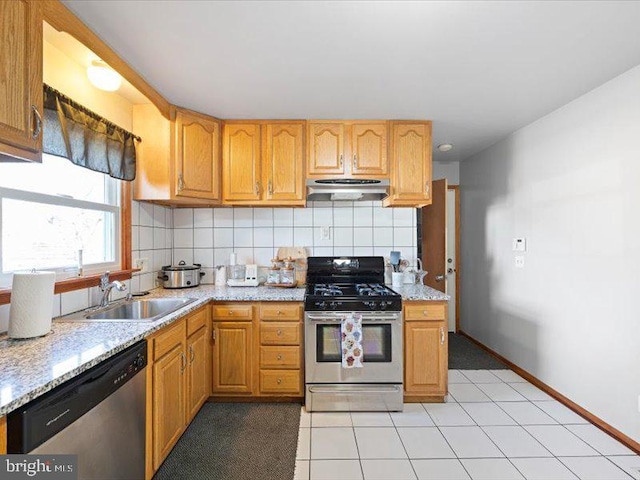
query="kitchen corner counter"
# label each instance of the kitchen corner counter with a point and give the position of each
(33, 367)
(420, 293)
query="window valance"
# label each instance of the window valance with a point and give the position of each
(87, 139)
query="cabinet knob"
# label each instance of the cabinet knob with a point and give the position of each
(279, 332)
(230, 312)
(278, 312)
(279, 381)
(279, 357)
(425, 313)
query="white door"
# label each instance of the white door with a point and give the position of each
(451, 257)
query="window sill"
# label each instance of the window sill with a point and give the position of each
(78, 283)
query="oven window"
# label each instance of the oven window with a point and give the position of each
(376, 343)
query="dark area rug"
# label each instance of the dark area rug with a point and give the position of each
(237, 441)
(465, 355)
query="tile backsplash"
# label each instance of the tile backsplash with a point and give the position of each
(208, 235)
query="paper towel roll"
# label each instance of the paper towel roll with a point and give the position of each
(30, 308)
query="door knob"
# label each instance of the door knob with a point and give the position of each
(439, 278)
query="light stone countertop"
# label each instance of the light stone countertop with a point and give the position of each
(30, 368)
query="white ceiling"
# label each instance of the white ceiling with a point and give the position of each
(478, 69)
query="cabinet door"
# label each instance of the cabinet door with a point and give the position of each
(197, 386)
(283, 161)
(197, 156)
(168, 402)
(425, 358)
(411, 164)
(326, 148)
(21, 79)
(369, 149)
(232, 357)
(241, 162)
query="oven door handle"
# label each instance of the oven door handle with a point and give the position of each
(365, 320)
(350, 391)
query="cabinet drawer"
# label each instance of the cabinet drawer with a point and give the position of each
(279, 357)
(422, 312)
(197, 320)
(233, 312)
(280, 381)
(281, 312)
(280, 334)
(169, 339)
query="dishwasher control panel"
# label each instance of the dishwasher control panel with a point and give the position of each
(136, 364)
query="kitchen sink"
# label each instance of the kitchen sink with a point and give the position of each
(132, 310)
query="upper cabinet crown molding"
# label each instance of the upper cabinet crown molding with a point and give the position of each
(21, 80)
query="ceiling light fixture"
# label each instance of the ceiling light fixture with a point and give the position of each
(445, 147)
(104, 77)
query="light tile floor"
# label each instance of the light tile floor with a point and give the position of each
(495, 425)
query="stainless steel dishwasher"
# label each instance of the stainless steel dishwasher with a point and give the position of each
(98, 415)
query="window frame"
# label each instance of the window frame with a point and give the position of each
(87, 281)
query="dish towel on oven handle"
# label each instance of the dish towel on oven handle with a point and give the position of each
(351, 329)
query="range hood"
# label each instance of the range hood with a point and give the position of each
(347, 189)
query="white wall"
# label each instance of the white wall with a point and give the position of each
(569, 184)
(209, 235)
(448, 170)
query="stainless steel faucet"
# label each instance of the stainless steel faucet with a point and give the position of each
(106, 287)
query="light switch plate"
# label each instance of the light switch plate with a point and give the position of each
(519, 261)
(142, 264)
(519, 244)
(325, 233)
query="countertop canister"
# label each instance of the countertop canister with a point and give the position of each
(31, 300)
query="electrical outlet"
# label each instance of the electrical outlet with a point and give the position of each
(519, 261)
(142, 264)
(325, 233)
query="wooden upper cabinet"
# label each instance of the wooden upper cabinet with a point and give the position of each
(21, 79)
(369, 149)
(326, 148)
(197, 156)
(241, 162)
(410, 164)
(283, 163)
(178, 161)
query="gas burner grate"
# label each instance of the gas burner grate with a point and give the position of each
(327, 290)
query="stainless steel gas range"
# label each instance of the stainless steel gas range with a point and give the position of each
(337, 287)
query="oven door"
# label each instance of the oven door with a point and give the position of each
(381, 343)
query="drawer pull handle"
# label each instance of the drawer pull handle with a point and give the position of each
(279, 357)
(278, 312)
(279, 381)
(425, 313)
(279, 332)
(230, 312)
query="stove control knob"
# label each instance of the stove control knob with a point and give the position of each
(333, 305)
(321, 305)
(383, 305)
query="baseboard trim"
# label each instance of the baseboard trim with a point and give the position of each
(598, 422)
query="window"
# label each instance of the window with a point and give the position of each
(50, 211)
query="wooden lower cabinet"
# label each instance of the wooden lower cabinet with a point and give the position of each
(168, 403)
(425, 351)
(232, 357)
(198, 385)
(3, 435)
(257, 349)
(179, 382)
